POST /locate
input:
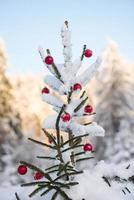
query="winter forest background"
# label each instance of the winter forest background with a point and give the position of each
(22, 111)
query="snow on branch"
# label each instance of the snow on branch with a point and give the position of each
(53, 82)
(86, 76)
(92, 129)
(66, 41)
(53, 100)
(50, 123)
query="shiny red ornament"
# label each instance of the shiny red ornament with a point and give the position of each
(77, 86)
(45, 90)
(38, 176)
(50, 140)
(22, 169)
(88, 53)
(87, 147)
(88, 109)
(49, 60)
(66, 117)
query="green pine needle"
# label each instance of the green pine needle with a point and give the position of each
(41, 143)
(17, 197)
(72, 139)
(46, 157)
(37, 190)
(82, 159)
(55, 195)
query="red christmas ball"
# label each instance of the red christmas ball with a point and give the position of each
(88, 53)
(77, 86)
(49, 60)
(87, 147)
(38, 176)
(45, 90)
(66, 117)
(88, 109)
(50, 140)
(22, 169)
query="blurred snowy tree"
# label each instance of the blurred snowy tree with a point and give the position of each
(26, 90)
(115, 107)
(9, 118)
(5, 87)
(14, 150)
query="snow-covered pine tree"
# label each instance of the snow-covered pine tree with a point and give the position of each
(115, 107)
(65, 179)
(68, 147)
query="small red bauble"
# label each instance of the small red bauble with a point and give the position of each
(77, 86)
(22, 169)
(50, 140)
(66, 117)
(88, 109)
(87, 147)
(45, 90)
(38, 176)
(49, 60)
(88, 53)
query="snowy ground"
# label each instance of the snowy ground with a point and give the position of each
(7, 193)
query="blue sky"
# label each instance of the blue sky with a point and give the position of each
(26, 24)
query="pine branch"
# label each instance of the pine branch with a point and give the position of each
(55, 70)
(57, 124)
(41, 143)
